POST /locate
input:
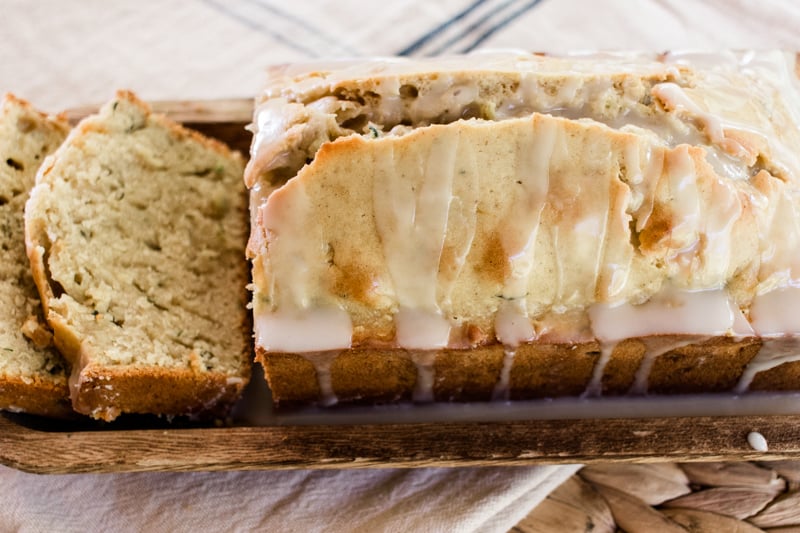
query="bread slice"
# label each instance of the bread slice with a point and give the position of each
(135, 231)
(33, 376)
(514, 225)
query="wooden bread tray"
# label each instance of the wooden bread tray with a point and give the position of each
(397, 445)
(47, 446)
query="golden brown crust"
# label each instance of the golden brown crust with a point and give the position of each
(466, 375)
(381, 375)
(38, 397)
(690, 369)
(552, 370)
(538, 371)
(620, 371)
(59, 121)
(291, 378)
(36, 255)
(784, 377)
(104, 393)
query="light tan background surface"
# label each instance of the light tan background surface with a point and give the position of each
(65, 54)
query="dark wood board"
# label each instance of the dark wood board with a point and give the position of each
(397, 445)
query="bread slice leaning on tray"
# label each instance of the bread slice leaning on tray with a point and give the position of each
(33, 375)
(135, 231)
(513, 225)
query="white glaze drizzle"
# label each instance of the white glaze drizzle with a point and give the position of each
(742, 91)
(310, 330)
(502, 389)
(462, 219)
(676, 98)
(644, 180)
(700, 241)
(774, 352)
(668, 312)
(295, 323)
(671, 312)
(281, 215)
(421, 329)
(322, 362)
(579, 243)
(411, 212)
(534, 153)
(423, 388)
(616, 258)
(779, 234)
(685, 205)
(776, 312)
(716, 245)
(655, 347)
(595, 387)
(583, 79)
(283, 132)
(512, 325)
(512, 328)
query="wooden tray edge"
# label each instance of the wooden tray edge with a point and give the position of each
(399, 445)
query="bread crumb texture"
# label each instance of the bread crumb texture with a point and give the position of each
(136, 231)
(32, 373)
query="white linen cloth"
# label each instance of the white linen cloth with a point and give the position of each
(305, 501)
(65, 54)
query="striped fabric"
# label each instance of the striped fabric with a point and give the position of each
(453, 29)
(61, 57)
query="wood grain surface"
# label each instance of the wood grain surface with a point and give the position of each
(397, 445)
(34, 445)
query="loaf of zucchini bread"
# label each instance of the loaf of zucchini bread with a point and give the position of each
(513, 225)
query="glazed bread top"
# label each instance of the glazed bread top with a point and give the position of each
(26, 351)
(516, 197)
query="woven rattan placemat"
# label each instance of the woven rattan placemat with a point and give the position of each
(743, 497)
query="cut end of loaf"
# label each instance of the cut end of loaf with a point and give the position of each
(105, 394)
(44, 395)
(32, 374)
(136, 232)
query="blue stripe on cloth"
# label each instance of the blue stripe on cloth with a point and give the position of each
(421, 41)
(264, 4)
(502, 24)
(469, 29)
(223, 9)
